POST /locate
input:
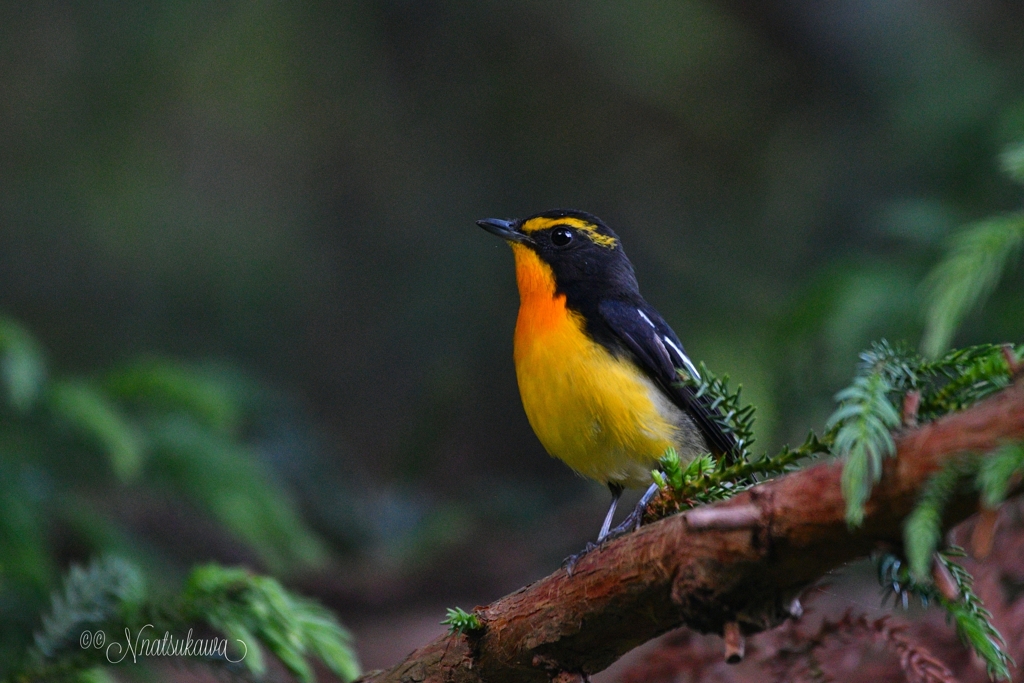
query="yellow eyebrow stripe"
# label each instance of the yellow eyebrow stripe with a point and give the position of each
(588, 229)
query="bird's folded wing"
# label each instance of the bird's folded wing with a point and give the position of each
(658, 351)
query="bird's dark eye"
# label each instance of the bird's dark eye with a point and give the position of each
(561, 237)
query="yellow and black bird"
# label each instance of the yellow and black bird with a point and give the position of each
(597, 365)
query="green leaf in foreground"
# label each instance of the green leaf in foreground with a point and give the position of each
(92, 597)
(864, 419)
(922, 530)
(998, 471)
(973, 622)
(706, 479)
(257, 609)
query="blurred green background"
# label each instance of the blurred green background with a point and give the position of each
(271, 205)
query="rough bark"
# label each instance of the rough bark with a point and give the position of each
(669, 574)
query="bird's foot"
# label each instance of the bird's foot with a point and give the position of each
(635, 518)
(570, 562)
(630, 523)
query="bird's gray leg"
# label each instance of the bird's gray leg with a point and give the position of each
(632, 522)
(570, 562)
(616, 490)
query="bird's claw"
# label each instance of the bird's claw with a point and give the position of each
(570, 562)
(631, 523)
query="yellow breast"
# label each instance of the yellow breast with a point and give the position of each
(599, 414)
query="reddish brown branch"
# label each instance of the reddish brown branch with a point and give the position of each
(1015, 365)
(984, 533)
(717, 517)
(735, 645)
(667, 574)
(911, 403)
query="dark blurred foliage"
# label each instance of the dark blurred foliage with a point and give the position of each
(290, 189)
(159, 463)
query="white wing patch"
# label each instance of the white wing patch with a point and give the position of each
(681, 356)
(672, 345)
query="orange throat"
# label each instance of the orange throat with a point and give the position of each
(541, 310)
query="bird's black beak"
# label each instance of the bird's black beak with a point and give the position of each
(506, 230)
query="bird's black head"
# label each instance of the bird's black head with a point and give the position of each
(585, 255)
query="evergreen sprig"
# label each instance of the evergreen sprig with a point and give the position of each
(973, 621)
(460, 621)
(105, 592)
(977, 257)
(864, 419)
(998, 472)
(867, 412)
(110, 596)
(258, 610)
(922, 529)
(963, 377)
(898, 582)
(951, 382)
(706, 479)
(993, 477)
(726, 409)
(902, 367)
